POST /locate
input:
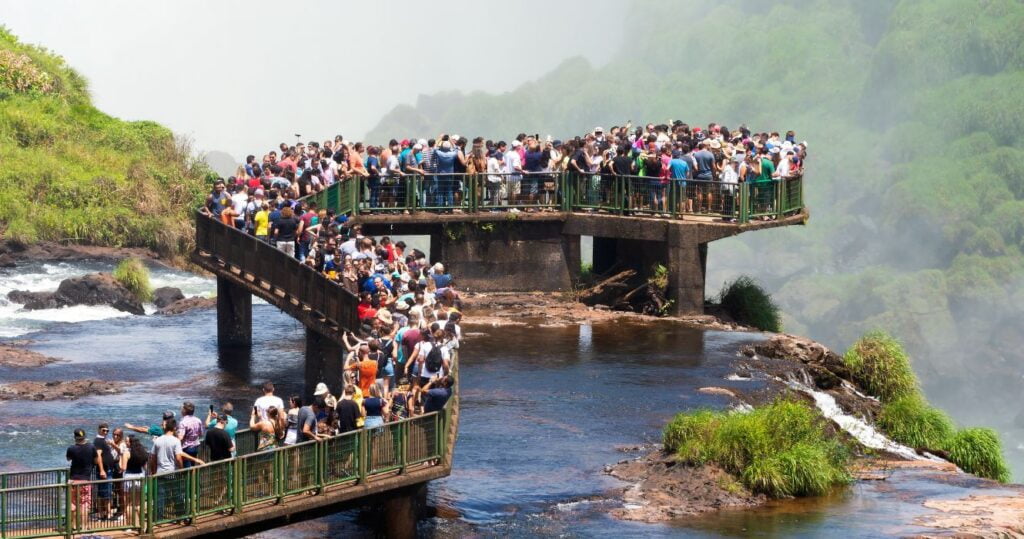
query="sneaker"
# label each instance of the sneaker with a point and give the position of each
(514, 210)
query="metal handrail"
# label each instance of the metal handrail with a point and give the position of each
(191, 493)
(563, 191)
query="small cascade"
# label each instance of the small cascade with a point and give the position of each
(863, 432)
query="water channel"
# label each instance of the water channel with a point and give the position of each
(544, 410)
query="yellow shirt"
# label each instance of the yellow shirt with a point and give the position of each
(262, 223)
(358, 399)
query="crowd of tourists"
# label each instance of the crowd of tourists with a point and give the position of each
(714, 159)
(398, 366)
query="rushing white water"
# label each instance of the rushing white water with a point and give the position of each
(863, 432)
(43, 277)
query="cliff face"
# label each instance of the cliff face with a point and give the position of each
(73, 173)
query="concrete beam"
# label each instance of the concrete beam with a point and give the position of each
(686, 260)
(234, 314)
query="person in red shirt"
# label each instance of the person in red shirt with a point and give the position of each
(365, 308)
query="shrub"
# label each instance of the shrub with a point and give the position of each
(749, 304)
(911, 421)
(134, 275)
(978, 451)
(880, 366)
(781, 449)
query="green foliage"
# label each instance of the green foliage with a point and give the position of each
(659, 277)
(134, 275)
(71, 172)
(979, 452)
(780, 449)
(879, 364)
(749, 304)
(911, 421)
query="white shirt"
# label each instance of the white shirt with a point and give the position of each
(494, 167)
(265, 402)
(238, 201)
(513, 164)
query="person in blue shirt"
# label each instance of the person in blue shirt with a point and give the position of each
(679, 170)
(444, 159)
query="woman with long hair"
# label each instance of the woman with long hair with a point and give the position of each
(270, 431)
(292, 420)
(134, 461)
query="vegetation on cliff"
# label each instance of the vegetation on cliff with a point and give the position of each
(780, 449)
(881, 367)
(73, 173)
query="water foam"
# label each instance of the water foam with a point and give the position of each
(863, 432)
(15, 321)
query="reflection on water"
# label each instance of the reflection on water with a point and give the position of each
(543, 411)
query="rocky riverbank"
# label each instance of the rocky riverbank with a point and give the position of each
(12, 253)
(13, 354)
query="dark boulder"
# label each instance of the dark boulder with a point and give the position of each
(34, 300)
(91, 289)
(98, 289)
(166, 295)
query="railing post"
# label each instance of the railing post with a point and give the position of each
(193, 493)
(780, 190)
(278, 484)
(673, 193)
(362, 439)
(744, 202)
(68, 525)
(403, 446)
(149, 492)
(236, 484)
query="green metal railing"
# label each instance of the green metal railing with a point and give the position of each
(231, 485)
(620, 195)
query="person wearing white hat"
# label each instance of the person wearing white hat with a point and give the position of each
(322, 391)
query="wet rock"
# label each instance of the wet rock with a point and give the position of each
(166, 295)
(98, 289)
(717, 391)
(34, 300)
(7, 261)
(12, 355)
(188, 304)
(664, 489)
(806, 351)
(56, 390)
(91, 289)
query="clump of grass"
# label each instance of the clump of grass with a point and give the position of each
(879, 364)
(911, 421)
(134, 275)
(780, 449)
(659, 277)
(749, 304)
(978, 451)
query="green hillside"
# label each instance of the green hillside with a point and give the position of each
(69, 172)
(914, 114)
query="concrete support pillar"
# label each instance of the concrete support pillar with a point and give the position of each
(573, 257)
(402, 509)
(323, 363)
(234, 314)
(686, 260)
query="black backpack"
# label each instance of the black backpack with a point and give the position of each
(434, 360)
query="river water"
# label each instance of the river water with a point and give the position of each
(544, 410)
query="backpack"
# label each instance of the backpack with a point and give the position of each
(652, 166)
(434, 360)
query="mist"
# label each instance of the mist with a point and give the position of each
(242, 76)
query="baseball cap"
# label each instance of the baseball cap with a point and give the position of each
(79, 434)
(168, 414)
(599, 129)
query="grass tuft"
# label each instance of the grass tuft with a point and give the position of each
(134, 275)
(749, 304)
(911, 421)
(780, 449)
(978, 451)
(879, 364)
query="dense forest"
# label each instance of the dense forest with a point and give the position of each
(914, 115)
(72, 173)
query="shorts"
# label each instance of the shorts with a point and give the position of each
(81, 493)
(104, 489)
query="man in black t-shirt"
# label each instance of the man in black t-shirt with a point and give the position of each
(105, 470)
(82, 457)
(347, 411)
(219, 441)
